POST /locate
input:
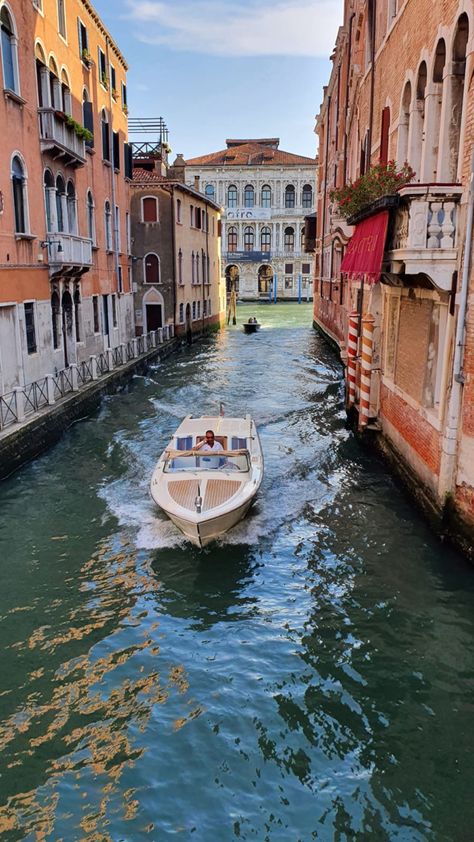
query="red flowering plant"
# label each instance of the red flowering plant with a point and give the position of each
(380, 180)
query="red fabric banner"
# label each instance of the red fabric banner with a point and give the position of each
(364, 253)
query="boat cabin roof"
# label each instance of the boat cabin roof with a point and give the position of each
(222, 426)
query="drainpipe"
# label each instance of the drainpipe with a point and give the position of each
(175, 266)
(116, 222)
(372, 80)
(349, 59)
(450, 440)
(323, 221)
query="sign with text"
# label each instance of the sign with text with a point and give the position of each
(252, 256)
(246, 214)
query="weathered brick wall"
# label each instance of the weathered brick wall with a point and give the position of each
(415, 430)
(412, 346)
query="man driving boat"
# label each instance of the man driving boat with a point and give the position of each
(209, 443)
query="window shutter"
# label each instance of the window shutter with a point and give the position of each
(116, 150)
(128, 160)
(150, 210)
(88, 116)
(384, 135)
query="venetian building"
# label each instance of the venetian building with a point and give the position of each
(176, 247)
(413, 105)
(64, 233)
(265, 193)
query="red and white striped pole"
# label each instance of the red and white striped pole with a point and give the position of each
(366, 368)
(351, 358)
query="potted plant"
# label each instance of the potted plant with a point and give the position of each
(379, 180)
(114, 93)
(125, 108)
(86, 57)
(104, 81)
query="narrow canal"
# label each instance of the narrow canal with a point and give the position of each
(311, 677)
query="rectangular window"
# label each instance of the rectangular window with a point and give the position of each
(178, 210)
(288, 268)
(150, 209)
(197, 218)
(114, 311)
(83, 40)
(306, 268)
(61, 18)
(30, 327)
(124, 97)
(191, 216)
(194, 310)
(199, 309)
(102, 68)
(116, 150)
(95, 309)
(181, 313)
(120, 280)
(127, 233)
(118, 242)
(288, 283)
(88, 117)
(113, 81)
(128, 160)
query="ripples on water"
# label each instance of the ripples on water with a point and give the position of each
(309, 677)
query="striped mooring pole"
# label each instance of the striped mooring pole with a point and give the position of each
(366, 368)
(351, 358)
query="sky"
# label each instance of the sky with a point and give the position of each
(215, 69)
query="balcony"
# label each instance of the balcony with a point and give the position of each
(60, 140)
(68, 255)
(424, 237)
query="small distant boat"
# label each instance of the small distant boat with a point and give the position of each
(205, 493)
(251, 327)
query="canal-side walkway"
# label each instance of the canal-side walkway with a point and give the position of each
(34, 417)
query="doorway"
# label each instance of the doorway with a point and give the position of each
(153, 316)
(265, 278)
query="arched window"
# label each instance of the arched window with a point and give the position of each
(307, 196)
(181, 314)
(60, 202)
(384, 135)
(180, 267)
(150, 209)
(55, 98)
(289, 196)
(42, 77)
(249, 235)
(433, 154)
(178, 210)
(266, 196)
(71, 208)
(77, 313)
(232, 196)
(193, 277)
(232, 238)
(66, 93)
(9, 51)
(418, 125)
(90, 217)
(455, 94)
(49, 192)
(210, 191)
(104, 121)
(249, 196)
(88, 117)
(152, 269)
(265, 239)
(108, 225)
(289, 239)
(404, 126)
(19, 196)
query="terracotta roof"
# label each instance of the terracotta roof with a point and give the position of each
(145, 176)
(251, 154)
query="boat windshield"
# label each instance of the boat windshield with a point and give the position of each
(238, 463)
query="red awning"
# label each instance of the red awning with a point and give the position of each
(365, 249)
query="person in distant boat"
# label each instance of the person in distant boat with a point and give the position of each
(252, 320)
(209, 443)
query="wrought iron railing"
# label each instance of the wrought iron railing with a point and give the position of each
(24, 401)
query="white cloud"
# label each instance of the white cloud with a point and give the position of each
(291, 28)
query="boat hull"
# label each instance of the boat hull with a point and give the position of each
(203, 532)
(251, 327)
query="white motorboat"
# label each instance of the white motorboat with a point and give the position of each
(205, 493)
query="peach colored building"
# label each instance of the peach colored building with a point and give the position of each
(65, 289)
(401, 88)
(177, 273)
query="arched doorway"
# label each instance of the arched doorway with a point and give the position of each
(67, 327)
(232, 278)
(154, 310)
(265, 277)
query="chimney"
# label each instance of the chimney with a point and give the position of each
(197, 182)
(178, 170)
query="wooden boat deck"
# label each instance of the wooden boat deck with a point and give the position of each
(216, 492)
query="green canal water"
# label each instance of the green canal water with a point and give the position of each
(309, 678)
